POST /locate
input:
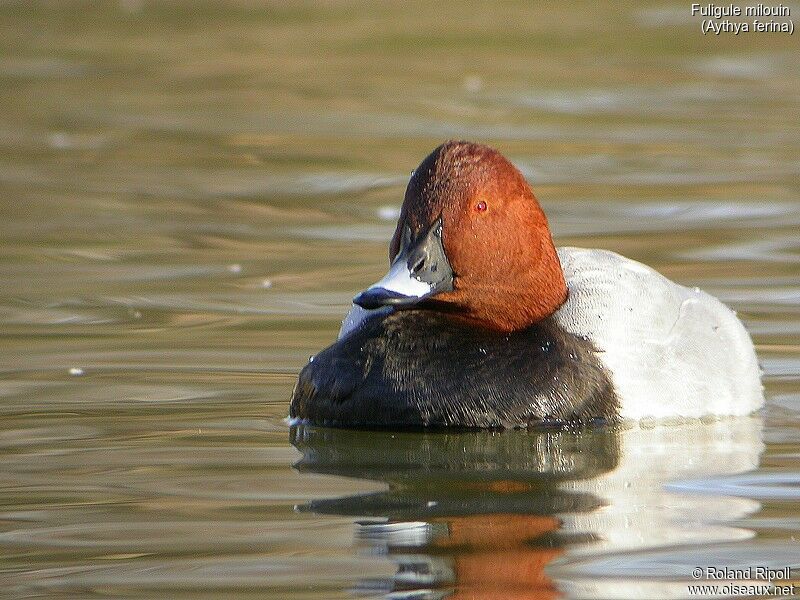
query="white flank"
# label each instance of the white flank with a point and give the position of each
(671, 351)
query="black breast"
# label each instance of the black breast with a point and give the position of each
(418, 368)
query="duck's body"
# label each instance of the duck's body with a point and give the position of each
(481, 323)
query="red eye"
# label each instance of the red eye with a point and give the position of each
(480, 206)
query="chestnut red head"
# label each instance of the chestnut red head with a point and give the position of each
(473, 241)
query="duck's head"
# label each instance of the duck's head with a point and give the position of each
(471, 241)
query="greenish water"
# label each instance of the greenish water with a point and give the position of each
(191, 193)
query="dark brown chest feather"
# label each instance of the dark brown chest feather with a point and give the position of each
(418, 368)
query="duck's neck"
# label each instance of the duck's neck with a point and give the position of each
(524, 298)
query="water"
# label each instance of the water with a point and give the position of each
(192, 192)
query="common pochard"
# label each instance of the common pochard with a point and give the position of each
(482, 322)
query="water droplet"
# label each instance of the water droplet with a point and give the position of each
(482, 351)
(389, 213)
(473, 83)
(60, 141)
(131, 6)
(76, 371)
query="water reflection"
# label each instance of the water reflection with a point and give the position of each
(533, 514)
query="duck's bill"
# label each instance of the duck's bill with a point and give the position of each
(397, 288)
(420, 270)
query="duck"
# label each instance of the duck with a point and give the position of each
(481, 322)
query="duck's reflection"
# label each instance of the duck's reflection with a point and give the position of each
(481, 514)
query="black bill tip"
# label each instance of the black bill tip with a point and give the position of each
(375, 297)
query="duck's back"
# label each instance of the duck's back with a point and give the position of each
(671, 351)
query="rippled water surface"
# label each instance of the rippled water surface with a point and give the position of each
(191, 193)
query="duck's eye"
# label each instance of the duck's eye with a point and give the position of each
(481, 206)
